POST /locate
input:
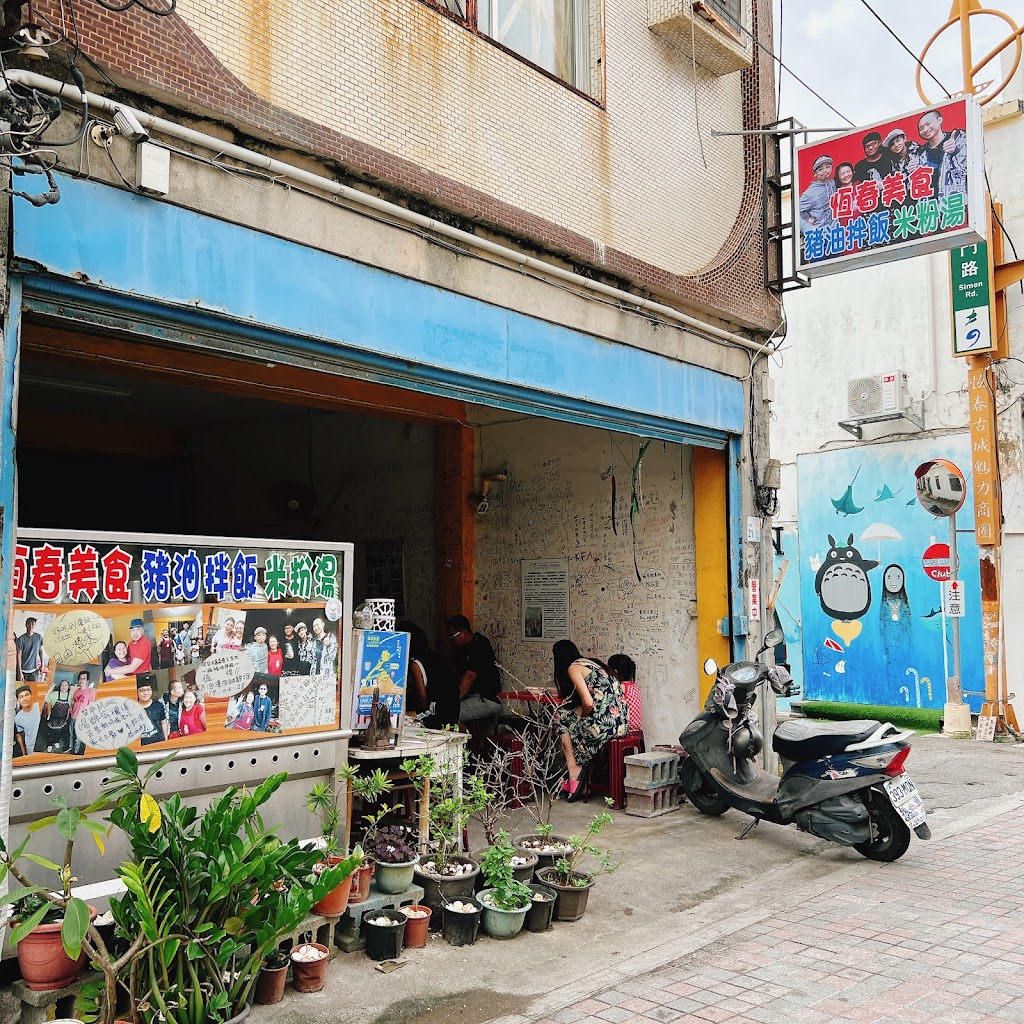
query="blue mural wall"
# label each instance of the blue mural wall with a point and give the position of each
(873, 629)
(786, 547)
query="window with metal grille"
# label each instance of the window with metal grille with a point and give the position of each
(553, 34)
(456, 7)
(730, 10)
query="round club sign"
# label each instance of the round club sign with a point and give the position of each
(941, 488)
(936, 562)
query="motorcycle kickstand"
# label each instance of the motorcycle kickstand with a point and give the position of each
(749, 828)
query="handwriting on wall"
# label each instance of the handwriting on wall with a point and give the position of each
(558, 504)
(307, 701)
(111, 722)
(225, 674)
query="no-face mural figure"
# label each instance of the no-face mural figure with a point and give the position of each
(895, 625)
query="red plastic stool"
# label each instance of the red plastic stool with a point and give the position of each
(614, 784)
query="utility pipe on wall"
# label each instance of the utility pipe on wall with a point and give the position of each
(284, 170)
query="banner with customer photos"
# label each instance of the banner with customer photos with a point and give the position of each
(171, 646)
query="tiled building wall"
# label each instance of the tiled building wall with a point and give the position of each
(407, 98)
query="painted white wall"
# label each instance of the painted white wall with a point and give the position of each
(897, 316)
(557, 504)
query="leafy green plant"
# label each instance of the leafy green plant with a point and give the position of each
(205, 906)
(388, 844)
(325, 800)
(506, 892)
(569, 869)
(47, 904)
(450, 806)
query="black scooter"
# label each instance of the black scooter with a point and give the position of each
(841, 781)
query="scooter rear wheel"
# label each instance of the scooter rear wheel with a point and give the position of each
(699, 790)
(890, 833)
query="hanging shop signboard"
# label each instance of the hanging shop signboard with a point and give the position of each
(172, 643)
(910, 185)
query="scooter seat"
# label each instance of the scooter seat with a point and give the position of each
(804, 740)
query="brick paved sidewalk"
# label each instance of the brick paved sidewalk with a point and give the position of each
(938, 936)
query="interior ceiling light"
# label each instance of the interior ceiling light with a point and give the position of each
(82, 387)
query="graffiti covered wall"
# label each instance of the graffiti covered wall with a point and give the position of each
(873, 627)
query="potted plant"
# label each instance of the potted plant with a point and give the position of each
(542, 775)
(50, 925)
(443, 872)
(273, 974)
(569, 878)
(505, 900)
(417, 925)
(542, 908)
(460, 921)
(325, 800)
(393, 849)
(204, 896)
(384, 930)
(309, 966)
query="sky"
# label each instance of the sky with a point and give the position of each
(842, 52)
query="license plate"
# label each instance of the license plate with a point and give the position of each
(905, 798)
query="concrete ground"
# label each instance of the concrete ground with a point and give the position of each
(684, 883)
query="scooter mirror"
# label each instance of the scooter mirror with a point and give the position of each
(774, 637)
(711, 667)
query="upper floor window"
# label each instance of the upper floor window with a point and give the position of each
(730, 10)
(554, 35)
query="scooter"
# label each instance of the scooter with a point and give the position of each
(841, 781)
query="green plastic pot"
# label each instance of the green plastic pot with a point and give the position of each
(498, 923)
(395, 879)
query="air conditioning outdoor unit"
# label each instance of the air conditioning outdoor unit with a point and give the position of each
(882, 394)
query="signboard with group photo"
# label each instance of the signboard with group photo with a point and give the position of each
(911, 185)
(172, 642)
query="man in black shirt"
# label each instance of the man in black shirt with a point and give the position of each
(876, 164)
(476, 671)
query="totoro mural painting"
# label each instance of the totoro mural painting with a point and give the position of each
(872, 622)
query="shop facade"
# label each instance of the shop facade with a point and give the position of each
(268, 356)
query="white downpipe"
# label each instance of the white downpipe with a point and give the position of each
(283, 170)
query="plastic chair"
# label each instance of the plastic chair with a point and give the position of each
(613, 753)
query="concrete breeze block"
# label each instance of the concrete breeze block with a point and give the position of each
(651, 770)
(651, 803)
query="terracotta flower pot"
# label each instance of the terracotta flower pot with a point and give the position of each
(335, 902)
(270, 985)
(572, 899)
(310, 976)
(416, 928)
(43, 962)
(361, 881)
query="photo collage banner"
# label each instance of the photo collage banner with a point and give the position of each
(171, 646)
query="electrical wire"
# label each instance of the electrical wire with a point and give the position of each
(914, 56)
(778, 60)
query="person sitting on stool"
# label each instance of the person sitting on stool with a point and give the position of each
(476, 671)
(623, 667)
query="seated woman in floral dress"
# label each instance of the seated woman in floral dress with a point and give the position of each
(594, 711)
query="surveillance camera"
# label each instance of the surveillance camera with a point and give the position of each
(129, 126)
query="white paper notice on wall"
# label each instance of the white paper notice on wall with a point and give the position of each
(753, 530)
(754, 599)
(308, 701)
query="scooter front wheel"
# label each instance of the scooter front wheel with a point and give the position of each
(890, 834)
(699, 790)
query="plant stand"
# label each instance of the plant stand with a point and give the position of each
(349, 933)
(39, 1007)
(319, 929)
